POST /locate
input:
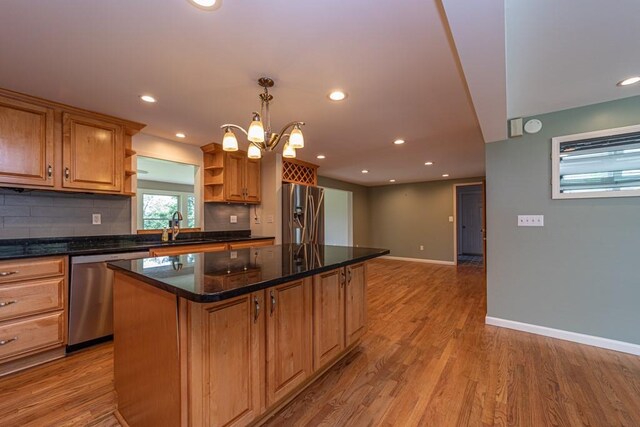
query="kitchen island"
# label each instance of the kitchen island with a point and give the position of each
(228, 338)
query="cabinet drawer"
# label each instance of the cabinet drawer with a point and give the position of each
(11, 271)
(250, 244)
(187, 249)
(26, 298)
(31, 334)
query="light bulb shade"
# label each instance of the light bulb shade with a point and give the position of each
(256, 130)
(229, 142)
(296, 139)
(289, 152)
(254, 152)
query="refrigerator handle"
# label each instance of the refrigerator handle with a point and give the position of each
(317, 217)
(312, 219)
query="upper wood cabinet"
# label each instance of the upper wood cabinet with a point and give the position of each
(92, 153)
(230, 176)
(289, 338)
(47, 145)
(26, 143)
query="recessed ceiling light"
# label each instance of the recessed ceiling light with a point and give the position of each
(428, 163)
(181, 135)
(320, 156)
(399, 141)
(337, 95)
(148, 98)
(629, 81)
(445, 175)
(206, 4)
(365, 171)
(392, 180)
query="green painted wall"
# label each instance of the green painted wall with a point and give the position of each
(580, 271)
(405, 216)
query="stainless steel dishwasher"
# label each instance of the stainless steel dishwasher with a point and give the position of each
(91, 298)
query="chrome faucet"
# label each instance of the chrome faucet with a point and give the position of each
(175, 224)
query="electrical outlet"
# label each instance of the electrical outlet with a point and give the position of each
(234, 219)
(422, 247)
(233, 255)
(530, 220)
(96, 219)
(450, 219)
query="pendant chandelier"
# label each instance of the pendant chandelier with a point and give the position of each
(261, 138)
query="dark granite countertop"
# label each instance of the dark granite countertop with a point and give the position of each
(215, 276)
(95, 245)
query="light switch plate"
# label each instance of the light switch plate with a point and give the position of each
(234, 219)
(96, 219)
(270, 219)
(530, 220)
(450, 219)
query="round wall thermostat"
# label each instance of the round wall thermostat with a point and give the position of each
(533, 126)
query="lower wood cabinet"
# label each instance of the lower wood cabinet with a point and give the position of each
(289, 338)
(328, 316)
(355, 302)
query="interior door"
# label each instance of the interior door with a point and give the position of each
(471, 223)
(26, 143)
(92, 153)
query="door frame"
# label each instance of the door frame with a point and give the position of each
(455, 217)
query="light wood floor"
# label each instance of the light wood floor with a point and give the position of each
(428, 360)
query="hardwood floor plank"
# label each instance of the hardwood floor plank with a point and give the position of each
(427, 359)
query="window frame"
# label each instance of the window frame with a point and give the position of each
(183, 198)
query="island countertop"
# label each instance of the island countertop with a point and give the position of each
(216, 276)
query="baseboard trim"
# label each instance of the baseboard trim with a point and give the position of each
(624, 347)
(426, 261)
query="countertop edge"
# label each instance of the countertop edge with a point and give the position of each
(225, 295)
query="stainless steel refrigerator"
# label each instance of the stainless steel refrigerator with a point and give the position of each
(302, 214)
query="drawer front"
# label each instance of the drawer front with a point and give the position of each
(250, 244)
(33, 297)
(11, 271)
(24, 336)
(187, 249)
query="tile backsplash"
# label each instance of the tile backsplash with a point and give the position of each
(49, 214)
(217, 217)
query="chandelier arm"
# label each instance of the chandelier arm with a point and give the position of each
(282, 134)
(231, 125)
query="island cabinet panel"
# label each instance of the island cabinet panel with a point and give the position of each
(355, 302)
(26, 143)
(328, 316)
(289, 338)
(231, 377)
(93, 154)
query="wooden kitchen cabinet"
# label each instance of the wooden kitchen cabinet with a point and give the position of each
(187, 249)
(33, 301)
(328, 316)
(289, 338)
(355, 302)
(26, 143)
(92, 154)
(250, 244)
(233, 373)
(230, 176)
(52, 146)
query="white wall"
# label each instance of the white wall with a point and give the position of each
(338, 217)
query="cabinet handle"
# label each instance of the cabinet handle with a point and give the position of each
(343, 278)
(273, 303)
(7, 341)
(49, 171)
(66, 173)
(8, 273)
(256, 313)
(349, 273)
(6, 303)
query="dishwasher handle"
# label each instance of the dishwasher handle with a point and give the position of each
(89, 259)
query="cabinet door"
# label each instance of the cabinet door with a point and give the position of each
(92, 154)
(234, 176)
(289, 339)
(356, 302)
(328, 316)
(26, 143)
(234, 365)
(252, 181)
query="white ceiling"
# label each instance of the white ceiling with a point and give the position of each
(570, 53)
(151, 169)
(395, 60)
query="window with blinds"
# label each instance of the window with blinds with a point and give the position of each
(597, 164)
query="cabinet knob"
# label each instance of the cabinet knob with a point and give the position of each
(66, 173)
(49, 171)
